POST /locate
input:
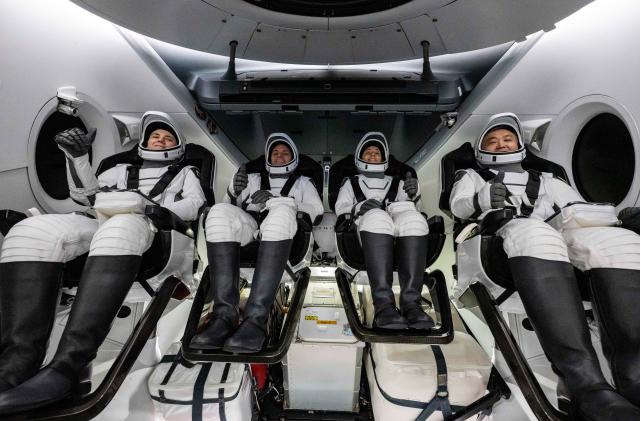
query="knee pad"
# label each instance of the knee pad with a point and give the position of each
(376, 221)
(410, 223)
(229, 223)
(533, 238)
(125, 234)
(603, 247)
(48, 238)
(280, 224)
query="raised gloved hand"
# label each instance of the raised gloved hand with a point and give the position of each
(369, 204)
(74, 142)
(492, 196)
(630, 218)
(240, 180)
(260, 197)
(410, 185)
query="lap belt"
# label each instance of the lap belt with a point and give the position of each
(440, 401)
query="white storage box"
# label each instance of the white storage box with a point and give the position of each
(322, 368)
(210, 391)
(409, 372)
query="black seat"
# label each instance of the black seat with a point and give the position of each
(195, 155)
(350, 251)
(494, 263)
(280, 329)
(308, 168)
(494, 259)
(346, 235)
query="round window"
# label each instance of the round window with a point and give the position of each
(50, 160)
(603, 160)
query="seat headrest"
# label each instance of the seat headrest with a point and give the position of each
(346, 167)
(195, 155)
(464, 158)
(307, 166)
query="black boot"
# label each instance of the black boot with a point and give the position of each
(378, 258)
(104, 285)
(225, 277)
(270, 264)
(411, 258)
(28, 299)
(616, 301)
(551, 299)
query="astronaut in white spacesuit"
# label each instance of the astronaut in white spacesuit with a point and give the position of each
(281, 192)
(541, 260)
(36, 249)
(386, 212)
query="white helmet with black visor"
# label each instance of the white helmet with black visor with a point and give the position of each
(154, 120)
(372, 139)
(274, 140)
(507, 121)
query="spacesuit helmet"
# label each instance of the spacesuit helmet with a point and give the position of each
(274, 140)
(507, 121)
(372, 139)
(154, 120)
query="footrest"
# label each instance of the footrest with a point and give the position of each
(441, 334)
(270, 354)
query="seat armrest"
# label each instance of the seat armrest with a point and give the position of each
(8, 218)
(304, 221)
(494, 220)
(436, 224)
(164, 219)
(343, 223)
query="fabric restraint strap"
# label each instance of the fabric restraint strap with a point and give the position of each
(265, 184)
(225, 374)
(391, 195)
(532, 189)
(198, 392)
(357, 191)
(164, 181)
(133, 177)
(440, 401)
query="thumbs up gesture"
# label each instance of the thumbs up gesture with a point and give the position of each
(240, 180)
(410, 185)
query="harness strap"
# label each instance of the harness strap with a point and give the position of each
(288, 185)
(391, 195)
(264, 181)
(133, 177)
(164, 181)
(532, 190)
(265, 184)
(357, 191)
